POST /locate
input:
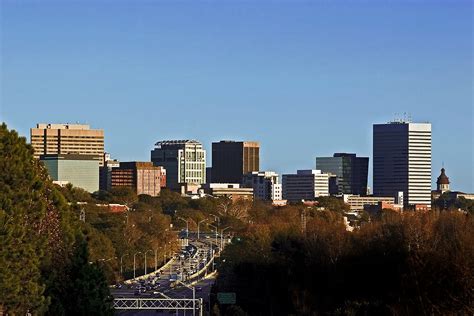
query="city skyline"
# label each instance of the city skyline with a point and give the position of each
(281, 74)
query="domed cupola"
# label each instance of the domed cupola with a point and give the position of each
(442, 182)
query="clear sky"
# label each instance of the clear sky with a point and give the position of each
(305, 78)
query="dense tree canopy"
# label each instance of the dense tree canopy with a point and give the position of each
(39, 238)
(412, 264)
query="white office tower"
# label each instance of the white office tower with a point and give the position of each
(402, 161)
(305, 185)
(266, 185)
(184, 161)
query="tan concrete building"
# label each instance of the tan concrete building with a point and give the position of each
(67, 139)
(357, 203)
(230, 190)
(142, 177)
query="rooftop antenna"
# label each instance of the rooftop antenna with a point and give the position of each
(395, 117)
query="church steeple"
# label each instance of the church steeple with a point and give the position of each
(442, 184)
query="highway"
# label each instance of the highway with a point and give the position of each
(164, 285)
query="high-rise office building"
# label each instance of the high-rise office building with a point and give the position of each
(142, 177)
(67, 139)
(184, 161)
(351, 172)
(266, 185)
(402, 161)
(105, 172)
(305, 185)
(231, 160)
(81, 171)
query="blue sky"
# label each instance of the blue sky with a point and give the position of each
(305, 78)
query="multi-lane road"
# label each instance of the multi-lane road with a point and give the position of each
(163, 284)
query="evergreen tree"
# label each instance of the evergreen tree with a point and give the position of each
(40, 240)
(87, 293)
(21, 288)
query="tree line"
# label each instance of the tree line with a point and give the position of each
(395, 264)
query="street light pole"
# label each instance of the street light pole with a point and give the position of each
(217, 219)
(216, 232)
(199, 224)
(222, 233)
(187, 227)
(156, 258)
(121, 264)
(164, 256)
(145, 258)
(134, 263)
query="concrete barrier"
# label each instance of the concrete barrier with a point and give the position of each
(203, 270)
(145, 276)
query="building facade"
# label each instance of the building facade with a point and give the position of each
(81, 171)
(266, 185)
(232, 191)
(184, 161)
(358, 203)
(105, 172)
(351, 172)
(305, 185)
(142, 177)
(67, 139)
(231, 160)
(402, 161)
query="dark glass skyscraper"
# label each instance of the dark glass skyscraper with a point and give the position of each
(231, 160)
(351, 172)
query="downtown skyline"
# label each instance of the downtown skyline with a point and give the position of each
(277, 74)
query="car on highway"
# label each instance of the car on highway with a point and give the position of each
(136, 293)
(198, 288)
